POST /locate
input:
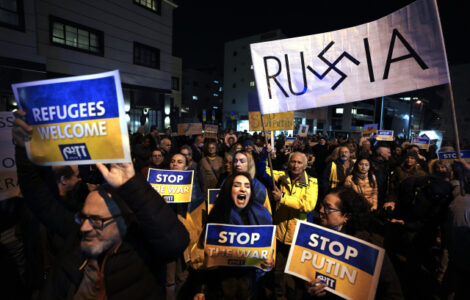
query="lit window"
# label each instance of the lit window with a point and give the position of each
(153, 5)
(195, 98)
(215, 107)
(71, 35)
(251, 67)
(354, 111)
(216, 95)
(252, 83)
(216, 81)
(220, 89)
(339, 110)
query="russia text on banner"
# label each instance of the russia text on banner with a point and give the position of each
(75, 120)
(189, 128)
(401, 52)
(8, 179)
(272, 122)
(235, 245)
(173, 186)
(212, 195)
(349, 266)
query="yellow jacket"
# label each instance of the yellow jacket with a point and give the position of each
(296, 202)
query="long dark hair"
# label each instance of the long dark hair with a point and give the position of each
(220, 213)
(355, 207)
(356, 172)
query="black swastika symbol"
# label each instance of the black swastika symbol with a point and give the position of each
(332, 66)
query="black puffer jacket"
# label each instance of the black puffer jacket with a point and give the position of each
(135, 269)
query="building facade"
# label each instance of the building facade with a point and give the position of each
(55, 38)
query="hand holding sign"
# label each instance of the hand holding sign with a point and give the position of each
(21, 130)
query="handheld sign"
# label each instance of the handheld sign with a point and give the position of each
(8, 179)
(235, 245)
(75, 120)
(422, 143)
(173, 186)
(453, 155)
(210, 131)
(211, 197)
(384, 135)
(369, 129)
(189, 128)
(290, 141)
(303, 130)
(349, 266)
(272, 122)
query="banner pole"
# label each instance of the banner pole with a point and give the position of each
(269, 154)
(454, 121)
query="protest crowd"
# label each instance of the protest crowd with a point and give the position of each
(102, 232)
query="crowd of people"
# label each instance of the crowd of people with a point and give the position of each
(102, 232)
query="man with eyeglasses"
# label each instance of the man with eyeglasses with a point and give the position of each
(117, 245)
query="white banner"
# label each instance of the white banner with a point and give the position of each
(8, 180)
(401, 52)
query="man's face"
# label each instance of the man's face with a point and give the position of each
(297, 164)
(186, 153)
(322, 142)
(344, 153)
(165, 144)
(96, 241)
(385, 153)
(157, 157)
(146, 143)
(178, 163)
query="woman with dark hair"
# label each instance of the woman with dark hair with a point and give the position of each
(346, 211)
(235, 205)
(363, 181)
(243, 161)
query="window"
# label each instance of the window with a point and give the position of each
(175, 83)
(339, 110)
(153, 5)
(215, 95)
(11, 14)
(233, 101)
(234, 85)
(252, 83)
(75, 36)
(195, 98)
(146, 56)
(235, 53)
(235, 69)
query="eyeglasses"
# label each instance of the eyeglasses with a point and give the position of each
(95, 221)
(329, 209)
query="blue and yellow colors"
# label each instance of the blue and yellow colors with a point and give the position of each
(75, 120)
(211, 197)
(350, 267)
(235, 245)
(384, 135)
(173, 186)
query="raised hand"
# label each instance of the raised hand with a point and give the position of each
(118, 174)
(21, 131)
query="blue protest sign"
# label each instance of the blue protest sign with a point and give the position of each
(75, 120)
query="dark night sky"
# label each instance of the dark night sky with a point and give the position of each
(202, 27)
